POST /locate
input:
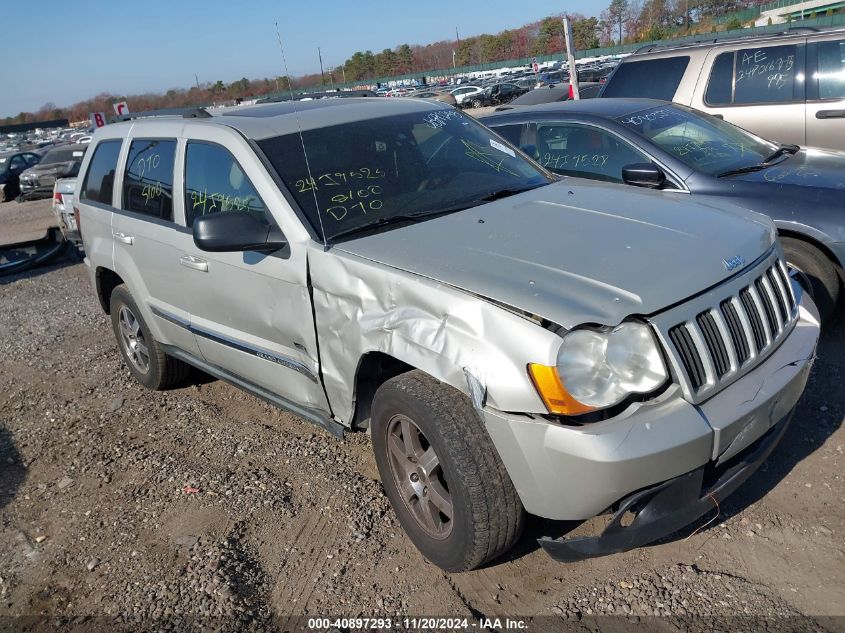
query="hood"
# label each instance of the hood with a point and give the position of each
(577, 251)
(51, 168)
(820, 170)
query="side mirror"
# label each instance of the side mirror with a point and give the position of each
(643, 175)
(234, 231)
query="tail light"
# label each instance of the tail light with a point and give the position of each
(571, 92)
(57, 198)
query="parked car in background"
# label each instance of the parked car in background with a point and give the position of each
(553, 78)
(60, 162)
(464, 95)
(497, 94)
(509, 341)
(679, 150)
(552, 94)
(594, 75)
(437, 95)
(788, 88)
(12, 165)
(63, 191)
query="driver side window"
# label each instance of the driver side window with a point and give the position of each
(216, 183)
(580, 150)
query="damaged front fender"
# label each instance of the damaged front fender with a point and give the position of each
(471, 344)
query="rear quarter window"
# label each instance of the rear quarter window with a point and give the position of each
(648, 79)
(748, 76)
(148, 182)
(99, 179)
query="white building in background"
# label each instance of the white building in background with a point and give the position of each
(798, 11)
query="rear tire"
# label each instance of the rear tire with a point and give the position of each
(417, 422)
(816, 274)
(143, 355)
(475, 103)
(2, 194)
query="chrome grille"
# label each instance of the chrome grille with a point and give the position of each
(725, 340)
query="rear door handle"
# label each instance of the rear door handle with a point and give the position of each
(720, 116)
(123, 237)
(830, 114)
(196, 263)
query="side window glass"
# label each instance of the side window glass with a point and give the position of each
(17, 163)
(831, 71)
(651, 78)
(766, 75)
(99, 179)
(31, 159)
(512, 133)
(720, 85)
(148, 181)
(215, 183)
(576, 150)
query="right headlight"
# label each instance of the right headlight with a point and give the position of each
(598, 368)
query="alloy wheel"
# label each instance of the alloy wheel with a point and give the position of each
(133, 340)
(419, 477)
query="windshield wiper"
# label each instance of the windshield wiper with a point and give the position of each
(395, 219)
(504, 193)
(782, 150)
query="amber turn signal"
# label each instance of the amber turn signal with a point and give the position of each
(554, 394)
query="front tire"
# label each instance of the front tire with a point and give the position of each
(442, 474)
(475, 103)
(144, 358)
(816, 274)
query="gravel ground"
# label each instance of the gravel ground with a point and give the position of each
(23, 221)
(203, 504)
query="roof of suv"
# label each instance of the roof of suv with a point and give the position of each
(792, 33)
(275, 119)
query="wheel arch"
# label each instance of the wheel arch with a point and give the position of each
(374, 369)
(819, 245)
(107, 281)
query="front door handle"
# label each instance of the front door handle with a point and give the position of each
(196, 263)
(830, 114)
(123, 237)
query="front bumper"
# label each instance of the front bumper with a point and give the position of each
(668, 507)
(653, 450)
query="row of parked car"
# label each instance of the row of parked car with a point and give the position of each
(619, 292)
(31, 174)
(502, 89)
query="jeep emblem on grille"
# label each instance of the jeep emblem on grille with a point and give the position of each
(733, 263)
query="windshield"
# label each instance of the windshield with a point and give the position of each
(62, 156)
(366, 172)
(703, 142)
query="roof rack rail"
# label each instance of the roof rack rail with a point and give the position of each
(185, 113)
(733, 38)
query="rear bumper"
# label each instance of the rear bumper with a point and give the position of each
(669, 506)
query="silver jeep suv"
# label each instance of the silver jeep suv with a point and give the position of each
(512, 342)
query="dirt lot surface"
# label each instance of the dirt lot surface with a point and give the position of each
(23, 221)
(203, 502)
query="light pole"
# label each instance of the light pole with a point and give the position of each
(322, 74)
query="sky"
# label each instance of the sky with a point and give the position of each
(64, 52)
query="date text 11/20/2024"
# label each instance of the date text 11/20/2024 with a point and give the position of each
(417, 624)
